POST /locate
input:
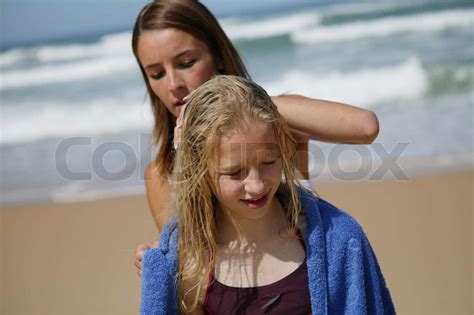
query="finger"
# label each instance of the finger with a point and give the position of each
(177, 137)
(140, 249)
(188, 97)
(179, 120)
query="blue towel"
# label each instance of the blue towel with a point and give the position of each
(343, 272)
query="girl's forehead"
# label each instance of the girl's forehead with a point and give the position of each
(252, 132)
(254, 140)
(167, 42)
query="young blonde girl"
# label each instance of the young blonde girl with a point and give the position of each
(244, 241)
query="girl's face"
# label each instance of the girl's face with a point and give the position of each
(176, 63)
(247, 171)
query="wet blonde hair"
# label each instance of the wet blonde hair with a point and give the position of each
(219, 106)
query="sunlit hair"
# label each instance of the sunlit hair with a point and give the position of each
(194, 18)
(220, 106)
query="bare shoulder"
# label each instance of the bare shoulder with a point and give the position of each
(158, 192)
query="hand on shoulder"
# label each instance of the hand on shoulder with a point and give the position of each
(140, 251)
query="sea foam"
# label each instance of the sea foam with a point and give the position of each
(108, 45)
(426, 22)
(58, 119)
(111, 45)
(242, 29)
(69, 72)
(364, 88)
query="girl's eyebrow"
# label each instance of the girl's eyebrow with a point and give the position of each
(184, 52)
(227, 168)
(152, 65)
(269, 152)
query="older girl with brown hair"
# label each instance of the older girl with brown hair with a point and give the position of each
(179, 45)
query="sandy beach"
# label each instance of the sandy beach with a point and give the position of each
(78, 257)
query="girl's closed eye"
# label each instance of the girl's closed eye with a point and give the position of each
(232, 174)
(157, 75)
(270, 162)
(187, 64)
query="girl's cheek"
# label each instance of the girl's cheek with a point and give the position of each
(199, 76)
(230, 186)
(275, 171)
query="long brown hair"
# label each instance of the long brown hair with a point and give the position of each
(219, 106)
(194, 18)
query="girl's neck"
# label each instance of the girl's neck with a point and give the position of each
(232, 231)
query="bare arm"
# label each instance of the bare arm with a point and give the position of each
(328, 121)
(158, 193)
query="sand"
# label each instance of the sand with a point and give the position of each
(78, 257)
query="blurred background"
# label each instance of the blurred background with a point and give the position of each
(67, 71)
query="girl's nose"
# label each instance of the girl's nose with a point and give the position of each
(175, 82)
(254, 184)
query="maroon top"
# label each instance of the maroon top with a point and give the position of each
(289, 295)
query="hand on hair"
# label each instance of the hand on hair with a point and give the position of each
(179, 122)
(139, 252)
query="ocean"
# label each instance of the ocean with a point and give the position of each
(76, 122)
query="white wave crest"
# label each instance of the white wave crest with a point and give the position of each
(239, 29)
(361, 7)
(363, 88)
(21, 123)
(65, 73)
(426, 22)
(109, 45)
(13, 56)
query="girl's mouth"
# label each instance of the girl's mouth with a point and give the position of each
(256, 203)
